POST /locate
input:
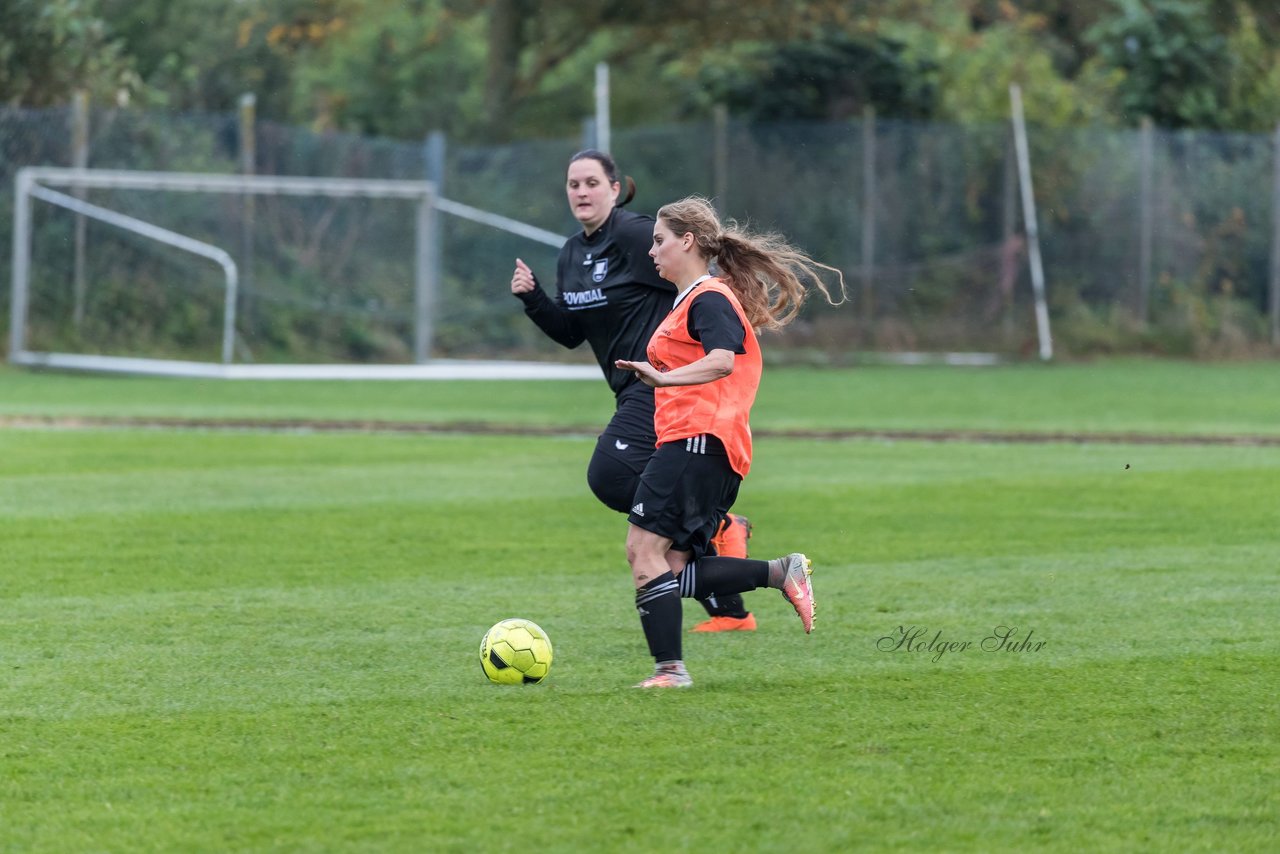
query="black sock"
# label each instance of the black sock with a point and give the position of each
(725, 605)
(722, 576)
(658, 604)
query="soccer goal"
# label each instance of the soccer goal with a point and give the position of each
(231, 276)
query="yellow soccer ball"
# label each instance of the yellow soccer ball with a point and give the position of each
(515, 652)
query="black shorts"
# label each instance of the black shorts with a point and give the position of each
(685, 492)
(623, 450)
(629, 435)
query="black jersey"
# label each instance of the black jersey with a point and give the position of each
(607, 294)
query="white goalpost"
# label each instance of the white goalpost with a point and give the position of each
(37, 183)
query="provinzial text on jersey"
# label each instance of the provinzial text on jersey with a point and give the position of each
(593, 298)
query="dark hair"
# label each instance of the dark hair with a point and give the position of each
(610, 170)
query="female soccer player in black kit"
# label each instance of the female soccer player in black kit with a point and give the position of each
(609, 295)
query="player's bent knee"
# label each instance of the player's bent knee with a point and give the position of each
(612, 483)
(609, 496)
(646, 547)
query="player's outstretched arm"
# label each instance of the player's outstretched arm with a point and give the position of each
(715, 365)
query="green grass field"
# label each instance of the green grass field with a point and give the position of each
(253, 640)
(1118, 397)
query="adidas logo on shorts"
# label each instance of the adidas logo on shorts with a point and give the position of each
(638, 509)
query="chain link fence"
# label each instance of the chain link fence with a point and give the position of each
(1153, 241)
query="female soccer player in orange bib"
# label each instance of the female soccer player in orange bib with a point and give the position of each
(704, 366)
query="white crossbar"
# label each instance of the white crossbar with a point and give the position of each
(35, 182)
(122, 179)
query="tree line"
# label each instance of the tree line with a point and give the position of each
(498, 70)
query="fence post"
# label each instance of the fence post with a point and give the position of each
(603, 134)
(20, 279)
(1010, 243)
(79, 160)
(720, 156)
(1146, 148)
(869, 192)
(430, 251)
(1275, 242)
(248, 166)
(1029, 219)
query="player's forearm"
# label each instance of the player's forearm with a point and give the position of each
(554, 321)
(716, 365)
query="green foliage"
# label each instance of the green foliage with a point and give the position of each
(1253, 88)
(51, 48)
(975, 74)
(1208, 324)
(204, 54)
(1186, 322)
(1175, 63)
(395, 69)
(1056, 26)
(831, 76)
(520, 69)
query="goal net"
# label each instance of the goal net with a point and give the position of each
(188, 274)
